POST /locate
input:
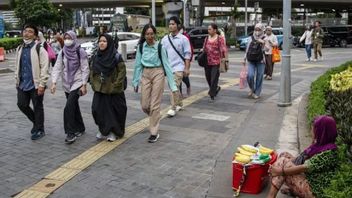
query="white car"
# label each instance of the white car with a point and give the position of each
(129, 38)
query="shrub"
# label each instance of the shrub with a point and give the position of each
(10, 43)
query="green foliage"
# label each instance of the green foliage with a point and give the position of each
(38, 12)
(319, 90)
(231, 41)
(10, 43)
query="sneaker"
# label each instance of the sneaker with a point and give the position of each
(179, 108)
(171, 113)
(33, 130)
(100, 136)
(211, 99)
(111, 137)
(250, 93)
(79, 134)
(255, 96)
(269, 78)
(70, 138)
(36, 135)
(153, 138)
(315, 60)
(308, 60)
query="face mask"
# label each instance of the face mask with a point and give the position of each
(68, 43)
(27, 41)
(257, 33)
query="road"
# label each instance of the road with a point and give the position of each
(192, 158)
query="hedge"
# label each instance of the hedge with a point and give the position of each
(10, 43)
(341, 183)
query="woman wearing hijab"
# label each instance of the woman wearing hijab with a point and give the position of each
(256, 61)
(44, 43)
(72, 66)
(150, 70)
(107, 77)
(215, 47)
(308, 174)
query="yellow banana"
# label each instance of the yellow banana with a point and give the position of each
(249, 148)
(265, 150)
(240, 155)
(243, 159)
(244, 152)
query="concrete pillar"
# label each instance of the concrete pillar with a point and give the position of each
(200, 13)
(124, 51)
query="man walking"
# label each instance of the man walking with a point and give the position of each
(31, 76)
(179, 52)
(318, 36)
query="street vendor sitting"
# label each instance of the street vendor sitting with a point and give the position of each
(309, 173)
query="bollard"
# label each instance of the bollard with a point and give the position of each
(2, 54)
(124, 51)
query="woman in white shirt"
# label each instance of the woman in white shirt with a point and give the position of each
(307, 38)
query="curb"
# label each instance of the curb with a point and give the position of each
(304, 138)
(10, 51)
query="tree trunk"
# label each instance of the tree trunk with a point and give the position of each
(200, 13)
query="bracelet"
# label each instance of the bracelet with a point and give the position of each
(283, 171)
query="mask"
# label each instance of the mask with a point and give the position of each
(27, 41)
(257, 33)
(68, 43)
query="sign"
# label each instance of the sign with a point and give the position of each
(195, 2)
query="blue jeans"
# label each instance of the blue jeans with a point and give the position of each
(255, 77)
(309, 50)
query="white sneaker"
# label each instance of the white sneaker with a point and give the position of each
(315, 60)
(308, 59)
(100, 136)
(179, 108)
(111, 137)
(171, 113)
(250, 93)
(255, 96)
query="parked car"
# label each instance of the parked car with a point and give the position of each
(13, 33)
(337, 35)
(198, 35)
(243, 40)
(129, 38)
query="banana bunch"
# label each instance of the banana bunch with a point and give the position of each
(265, 150)
(341, 81)
(244, 159)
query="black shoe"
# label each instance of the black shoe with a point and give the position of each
(33, 130)
(79, 134)
(217, 90)
(153, 138)
(36, 135)
(71, 138)
(212, 99)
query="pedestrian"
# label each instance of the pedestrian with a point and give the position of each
(72, 67)
(270, 42)
(51, 54)
(150, 68)
(308, 174)
(57, 45)
(179, 52)
(255, 58)
(318, 36)
(31, 76)
(185, 79)
(307, 38)
(215, 47)
(107, 77)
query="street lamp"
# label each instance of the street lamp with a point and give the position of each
(153, 12)
(245, 18)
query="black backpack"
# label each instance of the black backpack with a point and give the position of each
(255, 51)
(159, 54)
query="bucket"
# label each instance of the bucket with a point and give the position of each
(2, 54)
(255, 176)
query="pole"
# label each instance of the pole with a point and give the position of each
(285, 81)
(153, 12)
(184, 12)
(245, 18)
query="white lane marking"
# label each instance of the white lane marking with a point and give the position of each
(206, 116)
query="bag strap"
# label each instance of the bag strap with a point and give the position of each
(160, 57)
(205, 44)
(184, 60)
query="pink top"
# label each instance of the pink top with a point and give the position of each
(214, 49)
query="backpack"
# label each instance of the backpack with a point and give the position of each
(255, 51)
(159, 54)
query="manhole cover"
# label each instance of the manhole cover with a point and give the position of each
(4, 71)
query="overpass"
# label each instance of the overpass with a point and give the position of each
(325, 4)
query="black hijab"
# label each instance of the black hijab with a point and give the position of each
(105, 61)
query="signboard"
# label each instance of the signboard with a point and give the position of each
(118, 23)
(2, 26)
(195, 2)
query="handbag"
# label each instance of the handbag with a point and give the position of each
(243, 77)
(203, 57)
(300, 159)
(276, 57)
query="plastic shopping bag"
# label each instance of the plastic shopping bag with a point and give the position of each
(276, 56)
(243, 77)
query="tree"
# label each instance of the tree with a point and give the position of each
(38, 12)
(235, 14)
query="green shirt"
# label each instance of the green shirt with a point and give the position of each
(150, 58)
(320, 170)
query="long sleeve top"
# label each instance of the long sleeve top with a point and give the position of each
(81, 75)
(215, 49)
(270, 42)
(150, 58)
(307, 36)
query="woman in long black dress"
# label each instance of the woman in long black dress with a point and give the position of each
(107, 77)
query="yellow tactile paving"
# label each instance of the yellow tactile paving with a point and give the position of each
(67, 171)
(32, 194)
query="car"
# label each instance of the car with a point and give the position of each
(278, 32)
(13, 33)
(131, 40)
(337, 35)
(197, 36)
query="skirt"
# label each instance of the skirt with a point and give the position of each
(109, 113)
